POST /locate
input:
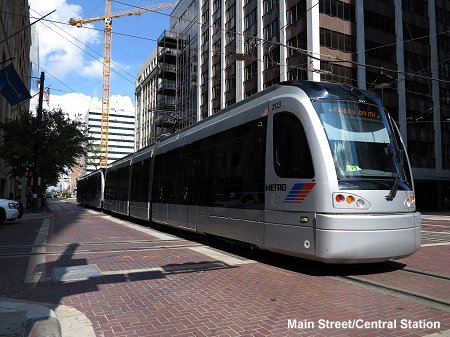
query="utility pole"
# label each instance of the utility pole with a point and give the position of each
(37, 139)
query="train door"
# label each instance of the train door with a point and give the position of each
(289, 216)
(188, 208)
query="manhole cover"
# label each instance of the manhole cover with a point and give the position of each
(75, 273)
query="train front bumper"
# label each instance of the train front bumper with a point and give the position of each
(366, 238)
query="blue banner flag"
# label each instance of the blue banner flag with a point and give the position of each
(12, 87)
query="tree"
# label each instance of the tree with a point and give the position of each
(94, 155)
(60, 140)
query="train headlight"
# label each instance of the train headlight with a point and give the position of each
(410, 201)
(360, 203)
(347, 200)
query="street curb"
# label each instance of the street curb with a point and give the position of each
(48, 327)
(28, 319)
(31, 319)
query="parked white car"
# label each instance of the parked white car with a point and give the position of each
(9, 210)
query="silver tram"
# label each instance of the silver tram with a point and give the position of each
(90, 189)
(308, 169)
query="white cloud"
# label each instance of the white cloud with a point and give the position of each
(61, 47)
(66, 59)
(77, 104)
(93, 69)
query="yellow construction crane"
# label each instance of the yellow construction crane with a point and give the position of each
(106, 80)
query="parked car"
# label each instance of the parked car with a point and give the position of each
(9, 210)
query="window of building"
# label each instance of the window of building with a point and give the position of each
(339, 9)
(250, 19)
(443, 16)
(272, 82)
(336, 40)
(216, 70)
(271, 29)
(250, 71)
(216, 47)
(415, 6)
(297, 73)
(205, 37)
(419, 34)
(272, 58)
(216, 5)
(379, 22)
(249, 93)
(337, 73)
(296, 12)
(217, 25)
(230, 35)
(230, 102)
(205, 56)
(205, 16)
(443, 41)
(230, 13)
(228, 84)
(444, 95)
(298, 41)
(216, 91)
(268, 5)
(380, 51)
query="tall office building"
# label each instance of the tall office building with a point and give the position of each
(121, 130)
(15, 37)
(229, 50)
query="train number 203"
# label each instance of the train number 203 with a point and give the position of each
(276, 105)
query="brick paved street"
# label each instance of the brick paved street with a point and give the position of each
(143, 282)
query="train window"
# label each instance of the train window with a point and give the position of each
(359, 138)
(225, 169)
(123, 183)
(140, 180)
(110, 185)
(291, 154)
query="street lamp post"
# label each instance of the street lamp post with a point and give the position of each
(37, 139)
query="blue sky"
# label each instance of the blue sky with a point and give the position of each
(71, 57)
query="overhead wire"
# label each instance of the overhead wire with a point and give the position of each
(68, 87)
(97, 60)
(305, 52)
(322, 57)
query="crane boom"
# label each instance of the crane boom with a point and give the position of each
(136, 11)
(106, 79)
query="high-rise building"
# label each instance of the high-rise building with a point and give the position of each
(229, 50)
(121, 129)
(15, 37)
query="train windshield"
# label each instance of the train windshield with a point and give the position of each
(360, 139)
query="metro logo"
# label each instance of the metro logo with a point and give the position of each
(298, 193)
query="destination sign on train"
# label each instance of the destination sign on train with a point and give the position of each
(354, 112)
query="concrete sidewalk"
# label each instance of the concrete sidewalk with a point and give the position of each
(23, 318)
(20, 318)
(30, 319)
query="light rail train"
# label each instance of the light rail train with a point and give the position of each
(308, 169)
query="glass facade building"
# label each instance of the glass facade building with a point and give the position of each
(230, 50)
